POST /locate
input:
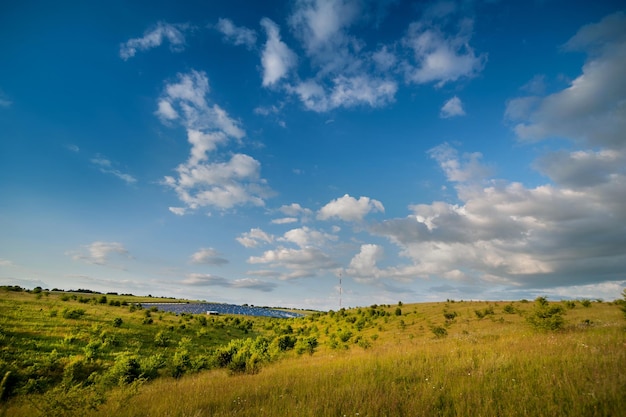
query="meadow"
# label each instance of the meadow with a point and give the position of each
(454, 358)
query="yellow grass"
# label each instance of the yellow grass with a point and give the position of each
(495, 366)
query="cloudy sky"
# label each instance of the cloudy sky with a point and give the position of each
(257, 152)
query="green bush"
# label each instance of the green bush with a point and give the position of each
(545, 316)
(439, 331)
(306, 345)
(509, 309)
(286, 342)
(125, 370)
(73, 313)
(450, 315)
(117, 322)
(161, 339)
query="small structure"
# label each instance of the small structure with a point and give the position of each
(213, 313)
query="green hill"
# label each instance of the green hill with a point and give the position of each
(77, 354)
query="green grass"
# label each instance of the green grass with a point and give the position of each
(371, 361)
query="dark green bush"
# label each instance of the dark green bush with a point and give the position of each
(73, 313)
(545, 316)
(439, 331)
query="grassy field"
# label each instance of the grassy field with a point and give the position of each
(433, 359)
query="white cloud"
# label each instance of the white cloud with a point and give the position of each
(277, 59)
(203, 181)
(105, 166)
(253, 284)
(285, 220)
(346, 91)
(591, 110)
(254, 238)
(154, 37)
(467, 168)
(237, 35)
(99, 253)
(301, 263)
(208, 280)
(348, 208)
(208, 256)
(305, 237)
(505, 234)
(205, 280)
(451, 108)
(6, 263)
(179, 211)
(438, 57)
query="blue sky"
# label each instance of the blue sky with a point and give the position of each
(255, 152)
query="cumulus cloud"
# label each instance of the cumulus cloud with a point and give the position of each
(106, 167)
(276, 59)
(154, 37)
(208, 280)
(350, 209)
(567, 234)
(203, 181)
(99, 253)
(591, 110)
(254, 238)
(299, 263)
(306, 237)
(294, 212)
(237, 35)
(208, 256)
(439, 57)
(459, 168)
(503, 233)
(452, 108)
(346, 91)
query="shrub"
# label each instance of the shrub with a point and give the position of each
(569, 304)
(450, 315)
(161, 339)
(125, 370)
(73, 313)
(398, 311)
(150, 366)
(585, 302)
(286, 342)
(509, 309)
(545, 316)
(439, 331)
(307, 345)
(345, 336)
(117, 322)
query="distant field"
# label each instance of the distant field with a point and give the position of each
(454, 358)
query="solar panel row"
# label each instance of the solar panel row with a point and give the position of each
(204, 308)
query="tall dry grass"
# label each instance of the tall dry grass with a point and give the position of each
(492, 366)
(487, 368)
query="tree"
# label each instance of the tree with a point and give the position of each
(545, 316)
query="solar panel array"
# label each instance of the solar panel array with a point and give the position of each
(204, 308)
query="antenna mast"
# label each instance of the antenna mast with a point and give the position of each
(340, 291)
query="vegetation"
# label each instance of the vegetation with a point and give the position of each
(477, 358)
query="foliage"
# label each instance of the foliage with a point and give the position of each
(73, 313)
(39, 353)
(545, 316)
(439, 331)
(484, 312)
